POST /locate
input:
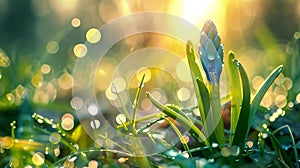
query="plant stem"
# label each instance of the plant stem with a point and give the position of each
(217, 114)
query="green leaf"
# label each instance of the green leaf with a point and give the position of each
(204, 94)
(242, 124)
(193, 130)
(136, 103)
(216, 115)
(284, 158)
(196, 74)
(236, 92)
(293, 141)
(261, 92)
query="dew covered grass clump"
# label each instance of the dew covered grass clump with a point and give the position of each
(212, 114)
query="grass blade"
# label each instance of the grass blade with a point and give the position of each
(261, 92)
(242, 123)
(236, 92)
(136, 103)
(284, 158)
(193, 130)
(196, 74)
(293, 142)
(180, 136)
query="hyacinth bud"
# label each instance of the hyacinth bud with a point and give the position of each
(211, 52)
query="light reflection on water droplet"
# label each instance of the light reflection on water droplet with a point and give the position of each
(54, 138)
(67, 121)
(7, 142)
(280, 101)
(120, 119)
(225, 151)
(56, 152)
(38, 159)
(298, 98)
(75, 22)
(93, 109)
(76, 103)
(214, 145)
(80, 50)
(14, 162)
(183, 94)
(93, 164)
(95, 124)
(45, 68)
(52, 47)
(93, 35)
(234, 150)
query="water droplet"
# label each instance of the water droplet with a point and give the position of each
(214, 145)
(297, 35)
(54, 138)
(93, 164)
(234, 150)
(93, 109)
(120, 119)
(298, 98)
(68, 164)
(56, 152)
(4, 59)
(7, 142)
(95, 124)
(225, 151)
(201, 162)
(72, 159)
(67, 124)
(249, 144)
(14, 163)
(38, 159)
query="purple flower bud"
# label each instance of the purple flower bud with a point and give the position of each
(211, 52)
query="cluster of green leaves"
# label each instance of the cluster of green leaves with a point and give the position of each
(213, 146)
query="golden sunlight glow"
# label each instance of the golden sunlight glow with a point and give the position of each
(196, 10)
(143, 71)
